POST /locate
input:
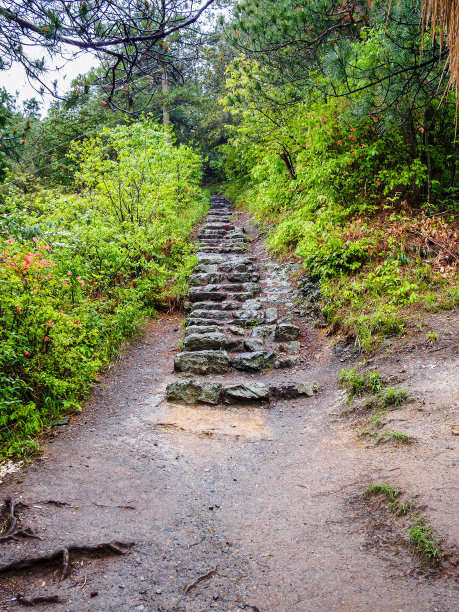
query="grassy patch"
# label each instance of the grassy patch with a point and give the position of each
(421, 537)
(387, 436)
(381, 488)
(423, 540)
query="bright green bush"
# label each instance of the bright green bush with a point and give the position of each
(79, 273)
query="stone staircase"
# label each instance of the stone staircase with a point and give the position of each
(227, 328)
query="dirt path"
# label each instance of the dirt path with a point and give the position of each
(261, 501)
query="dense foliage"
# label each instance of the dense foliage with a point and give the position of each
(347, 159)
(79, 272)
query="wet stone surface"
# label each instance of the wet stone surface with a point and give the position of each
(233, 324)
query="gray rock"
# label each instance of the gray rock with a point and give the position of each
(253, 362)
(191, 392)
(252, 345)
(249, 392)
(271, 315)
(203, 342)
(288, 391)
(204, 306)
(265, 331)
(254, 304)
(229, 305)
(202, 362)
(210, 314)
(286, 331)
(210, 393)
(239, 277)
(202, 295)
(287, 362)
(191, 321)
(239, 331)
(235, 345)
(248, 318)
(206, 268)
(201, 279)
(208, 259)
(200, 329)
(308, 388)
(252, 288)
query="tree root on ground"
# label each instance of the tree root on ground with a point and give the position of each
(36, 601)
(63, 554)
(11, 531)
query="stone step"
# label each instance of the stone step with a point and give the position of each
(213, 226)
(218, 315)
(202, 362)
(190, 391)
(203, 278)
(203, 342)
(253, 361)
(200, 295)
(201, 329)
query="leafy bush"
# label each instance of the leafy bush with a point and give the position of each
(79, 273)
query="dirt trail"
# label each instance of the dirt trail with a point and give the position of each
(259, 501)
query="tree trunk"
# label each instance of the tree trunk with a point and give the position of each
(285, 157)
(165, 92)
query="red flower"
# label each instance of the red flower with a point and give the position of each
(49, 324)
(46, 339)
(26, 353)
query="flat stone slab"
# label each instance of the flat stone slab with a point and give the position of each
(206, 278)
(200, 329)
(204, 342)
(202, 295)
(248, 392)
(192, 392)
(253, 362)
(202, 362)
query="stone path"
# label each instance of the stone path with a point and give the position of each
(229, 326)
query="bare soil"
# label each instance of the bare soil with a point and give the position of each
(240, 507)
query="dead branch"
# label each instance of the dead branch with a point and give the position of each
(36, 601)
(437, 244)
(63, 555)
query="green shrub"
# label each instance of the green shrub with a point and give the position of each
(78, 274)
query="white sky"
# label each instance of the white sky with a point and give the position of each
(15, 81)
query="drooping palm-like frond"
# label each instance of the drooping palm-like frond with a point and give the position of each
(443, 17)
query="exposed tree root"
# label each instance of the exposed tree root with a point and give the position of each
(63, 555)
(11, 531)
(36, 601)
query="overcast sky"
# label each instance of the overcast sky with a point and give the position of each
(15, 81)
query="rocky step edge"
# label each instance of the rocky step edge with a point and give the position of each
(192, 392)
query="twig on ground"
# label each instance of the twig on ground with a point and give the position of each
(199, 579)
(36, 601)
(63, 554)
